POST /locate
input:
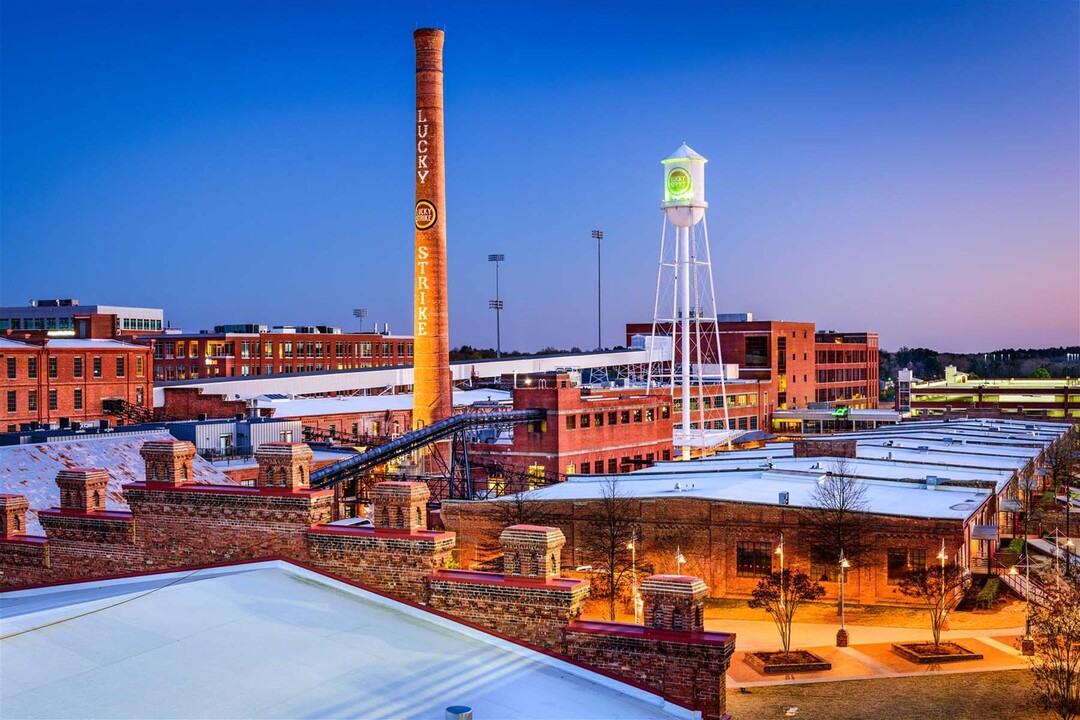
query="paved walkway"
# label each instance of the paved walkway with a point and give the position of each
(870, 654)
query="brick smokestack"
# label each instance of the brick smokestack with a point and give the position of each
(432, 399)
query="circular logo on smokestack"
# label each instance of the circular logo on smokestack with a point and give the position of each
(426, 214)
(678, 182)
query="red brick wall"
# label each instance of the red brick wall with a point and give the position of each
(535, 611)
(825, 448)
(395, 561)
(688, 668)
(188, 403)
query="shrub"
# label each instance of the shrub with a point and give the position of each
(1017, 546)
(988, 594)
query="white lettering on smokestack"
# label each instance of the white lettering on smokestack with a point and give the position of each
(421, 146)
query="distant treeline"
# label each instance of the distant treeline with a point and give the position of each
(927, 364)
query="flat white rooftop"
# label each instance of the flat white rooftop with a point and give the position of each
(274, 640)
(342, 404)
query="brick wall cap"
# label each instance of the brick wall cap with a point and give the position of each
(285, 448)
(82, 474)
(13, 501)
(485, 578)
(630, 630)
(23, 540)
(549, 537)
(379, 533)
(100, 515)
(400, 490)
(674, 585)
(237, 490)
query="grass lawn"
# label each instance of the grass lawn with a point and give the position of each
(957, 696)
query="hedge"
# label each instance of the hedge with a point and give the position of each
(987, 595)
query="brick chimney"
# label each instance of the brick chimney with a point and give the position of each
(168, 461)
(13, 515)
(82, 489)
(674, 602)
(284, 465)
(401, 505)
(532, 551)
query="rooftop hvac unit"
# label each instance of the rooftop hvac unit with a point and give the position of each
(202, 417)
(785, 498)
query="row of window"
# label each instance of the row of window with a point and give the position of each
(709, 402)
(842, 375)
(755, 559)
(616, 465)
(857, 392)
(64, 323)
(77, 366)
(742, 423)
(615, 417)
(141, 324)
(177, 371)
(840, 356)
(247, 349)
(32, 400)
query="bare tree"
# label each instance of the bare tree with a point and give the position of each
(518, 509)
(939, 590)
(780, 594)
(604, 539)
(1056, 662)
(838, 519)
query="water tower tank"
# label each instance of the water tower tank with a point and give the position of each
(684, 187)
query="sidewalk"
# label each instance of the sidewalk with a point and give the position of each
(870, 654)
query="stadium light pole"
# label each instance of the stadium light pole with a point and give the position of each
(360, 313)
(497, 304)
(598, 235)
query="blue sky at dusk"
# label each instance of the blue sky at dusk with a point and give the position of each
(912, 169)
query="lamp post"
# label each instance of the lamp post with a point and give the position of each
(497, 304)
(842, 634)
(780, 551)
(638, 603)
(941, 556)
(680, 559)
(598, 235)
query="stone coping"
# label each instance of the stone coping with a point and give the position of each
(381, 533)
(631, 630)
(114, 515)
(235, 490)
(486, 578)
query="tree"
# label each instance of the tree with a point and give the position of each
(1061, 462)
(838, 519)
(1055, 628)
(1041, 373)
(608, 530)
(780, 594)
(939, 590)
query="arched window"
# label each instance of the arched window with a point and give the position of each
(657, 617)
(676, 619)
(419, 518)
(97, 499)
(301, 471)
(699, 621)
(553, 565)
(18, 523)
(184, 472)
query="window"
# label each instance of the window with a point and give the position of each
(52, 367)
(753, 559)
(586, 468)
(756, 351)
(139, 397)
(31, 367)
(637, 416)
(822, 566)
(586, 420)
(613, 466)
(900, 561)
(11, 368)
(97, 367)
(52, 400)
(119, 366)
(598, 420)
(624, 417)
(598, 467)
(31, 400)
(649, 415)
(665, 412)
(139, 366)
(11, 401)
(571, 422)
(78, 399)
(612, 418)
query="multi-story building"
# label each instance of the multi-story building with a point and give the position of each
(282, 350)
(962, 393)
(791, 359)
(847, 369)
(58, 317)
(64, 380)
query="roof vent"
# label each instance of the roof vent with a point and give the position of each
(459, 712)
(932, 481)
(785, 498)
(816, 466)
(888, 443)
(888, 455)
(924, 448)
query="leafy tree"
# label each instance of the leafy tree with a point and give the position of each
(837, 518)
(939, 590)
(1055, 628)
(605, 535)
(1041, 373)
(780, 594)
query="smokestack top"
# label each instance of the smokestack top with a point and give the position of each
(429, 44)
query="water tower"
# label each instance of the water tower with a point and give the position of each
(685, 302)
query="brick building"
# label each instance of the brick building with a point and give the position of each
(60, 318)
(792, 358)
(230, 354)
(64, 380)
(847, 369)
(596, 430)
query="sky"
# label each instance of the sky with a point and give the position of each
(910, 169)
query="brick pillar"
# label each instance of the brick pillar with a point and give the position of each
(532, 551)
(401, 505)
(284, 465)
(674, 602)
(168, 461)
(13, 515)
(82, 489)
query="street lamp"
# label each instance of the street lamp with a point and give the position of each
(497, 304)
(780, 551)
(842, 635)
(941, 556)
(680, 559)
(638, 602)
(598, 235)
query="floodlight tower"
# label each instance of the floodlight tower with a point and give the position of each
(687, 266)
